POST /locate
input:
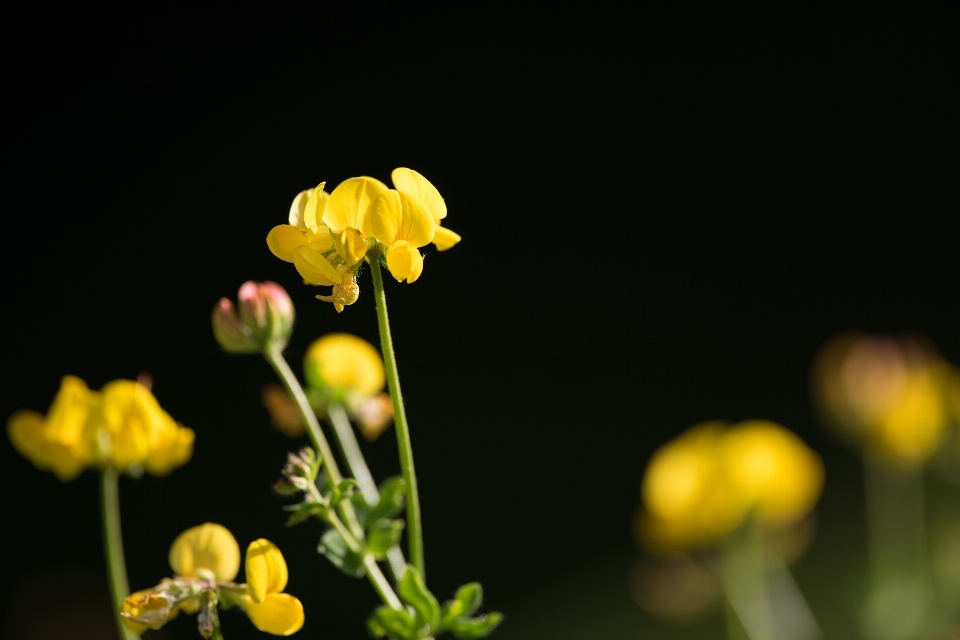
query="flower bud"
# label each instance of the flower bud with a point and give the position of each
(264, 316)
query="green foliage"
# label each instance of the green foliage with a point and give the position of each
(335, 548)
(414, 592)
(304, 511)
(392, 493)
(382, 535)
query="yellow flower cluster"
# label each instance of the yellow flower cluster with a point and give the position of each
(328, 235)
(121, 426)
(205, 560)
(703, 484)
(895, 397)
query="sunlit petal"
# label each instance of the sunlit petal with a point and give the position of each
(265, 568)
(416, 225)
(207, 546)
(383, 220)
(284, 239)
(280, 614)
(314, 267)
(415, 184)
(350, 201)
(445, 238)
(404, 261)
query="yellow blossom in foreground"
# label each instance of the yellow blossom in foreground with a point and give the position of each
(269, 608)
(122, 426)
(346, 213)
(890, 396)
(206, 559)
(703, 484)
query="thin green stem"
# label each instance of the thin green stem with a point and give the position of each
(358, 467)
(414, 530)
(290, 382)
(113, 546)
(745, 583)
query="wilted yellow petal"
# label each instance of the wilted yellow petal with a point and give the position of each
(314, 208)
(350, 201)
(404, 261)
(314, 267)
(266, 570)
(383, 220)
(25, 430)
(284, 239)
(344, 363)
(445, 238)
(416, 226)
(208, 546)
(352, 246)
(415, 184)
(280, 614)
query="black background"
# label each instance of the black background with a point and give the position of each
(664, 216)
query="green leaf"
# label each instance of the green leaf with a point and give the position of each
(342, 491)
(333, 546)
(414, 592)
(449, 611)
(382, 535)
(469, 628)
(391, 501)
(303, 512)
(397, 623)
(471, 595)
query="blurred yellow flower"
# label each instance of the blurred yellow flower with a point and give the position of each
(700, 486)
(122, 426)
(891, 396)
(209, 548)
(269, 608)
(344, 364)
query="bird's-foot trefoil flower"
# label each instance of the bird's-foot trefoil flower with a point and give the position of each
(206, 560)
(265, 318)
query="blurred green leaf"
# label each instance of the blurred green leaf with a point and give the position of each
(333, 546)
(471, 595)
(414, 592)
(382, 535)
(387, 621)
(469, 628)
(392, 492)
(304, 511)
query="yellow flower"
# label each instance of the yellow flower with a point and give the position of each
(700, 486)
(208, 549)
(346, 212)
(269, 608)
(409, 181)
(344, 363)
(56, 441)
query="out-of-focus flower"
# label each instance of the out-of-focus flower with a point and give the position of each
(284, 414)
(265, 318)
(122, 426)
(890, 396)
(700, 486)
(348, 370)
(205, 560)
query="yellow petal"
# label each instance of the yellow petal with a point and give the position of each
(445, 238)
(344, 363)
(120, 428)
(170, 447)
(314, 267)
(284, 239)
(416, 225)
(350, 201)
(352, 246)
(280, 614)
(404, 261)
(208, 546)
(314, 207)
(413, 183)
(384, 217)
(296, 209)
(266, 570)
(25, 430)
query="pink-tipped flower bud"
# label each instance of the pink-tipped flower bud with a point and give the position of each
(263, 317)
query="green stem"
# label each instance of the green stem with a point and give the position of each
(414, 530)
(745, 583)
(275, 357)
(113, 546)
(358, 467)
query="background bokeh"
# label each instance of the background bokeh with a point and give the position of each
(664, 216)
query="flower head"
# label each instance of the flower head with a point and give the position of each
(206, 559)
(122, 426)
(265, 318)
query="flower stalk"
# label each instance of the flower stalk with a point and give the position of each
(113, 546)
(414, 530)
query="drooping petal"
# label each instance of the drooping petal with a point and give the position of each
(416, 225)
(284, 239)
(266, 570)
(208, 546)
(445, 238)
(384, 217)
(280, 613)
(314, 207)
(404, 261)
(352, 246)
(411, 182)
(350, 201)
(314, 267)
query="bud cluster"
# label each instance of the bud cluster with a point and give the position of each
(262, 318)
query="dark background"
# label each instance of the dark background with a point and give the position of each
(664, 216)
